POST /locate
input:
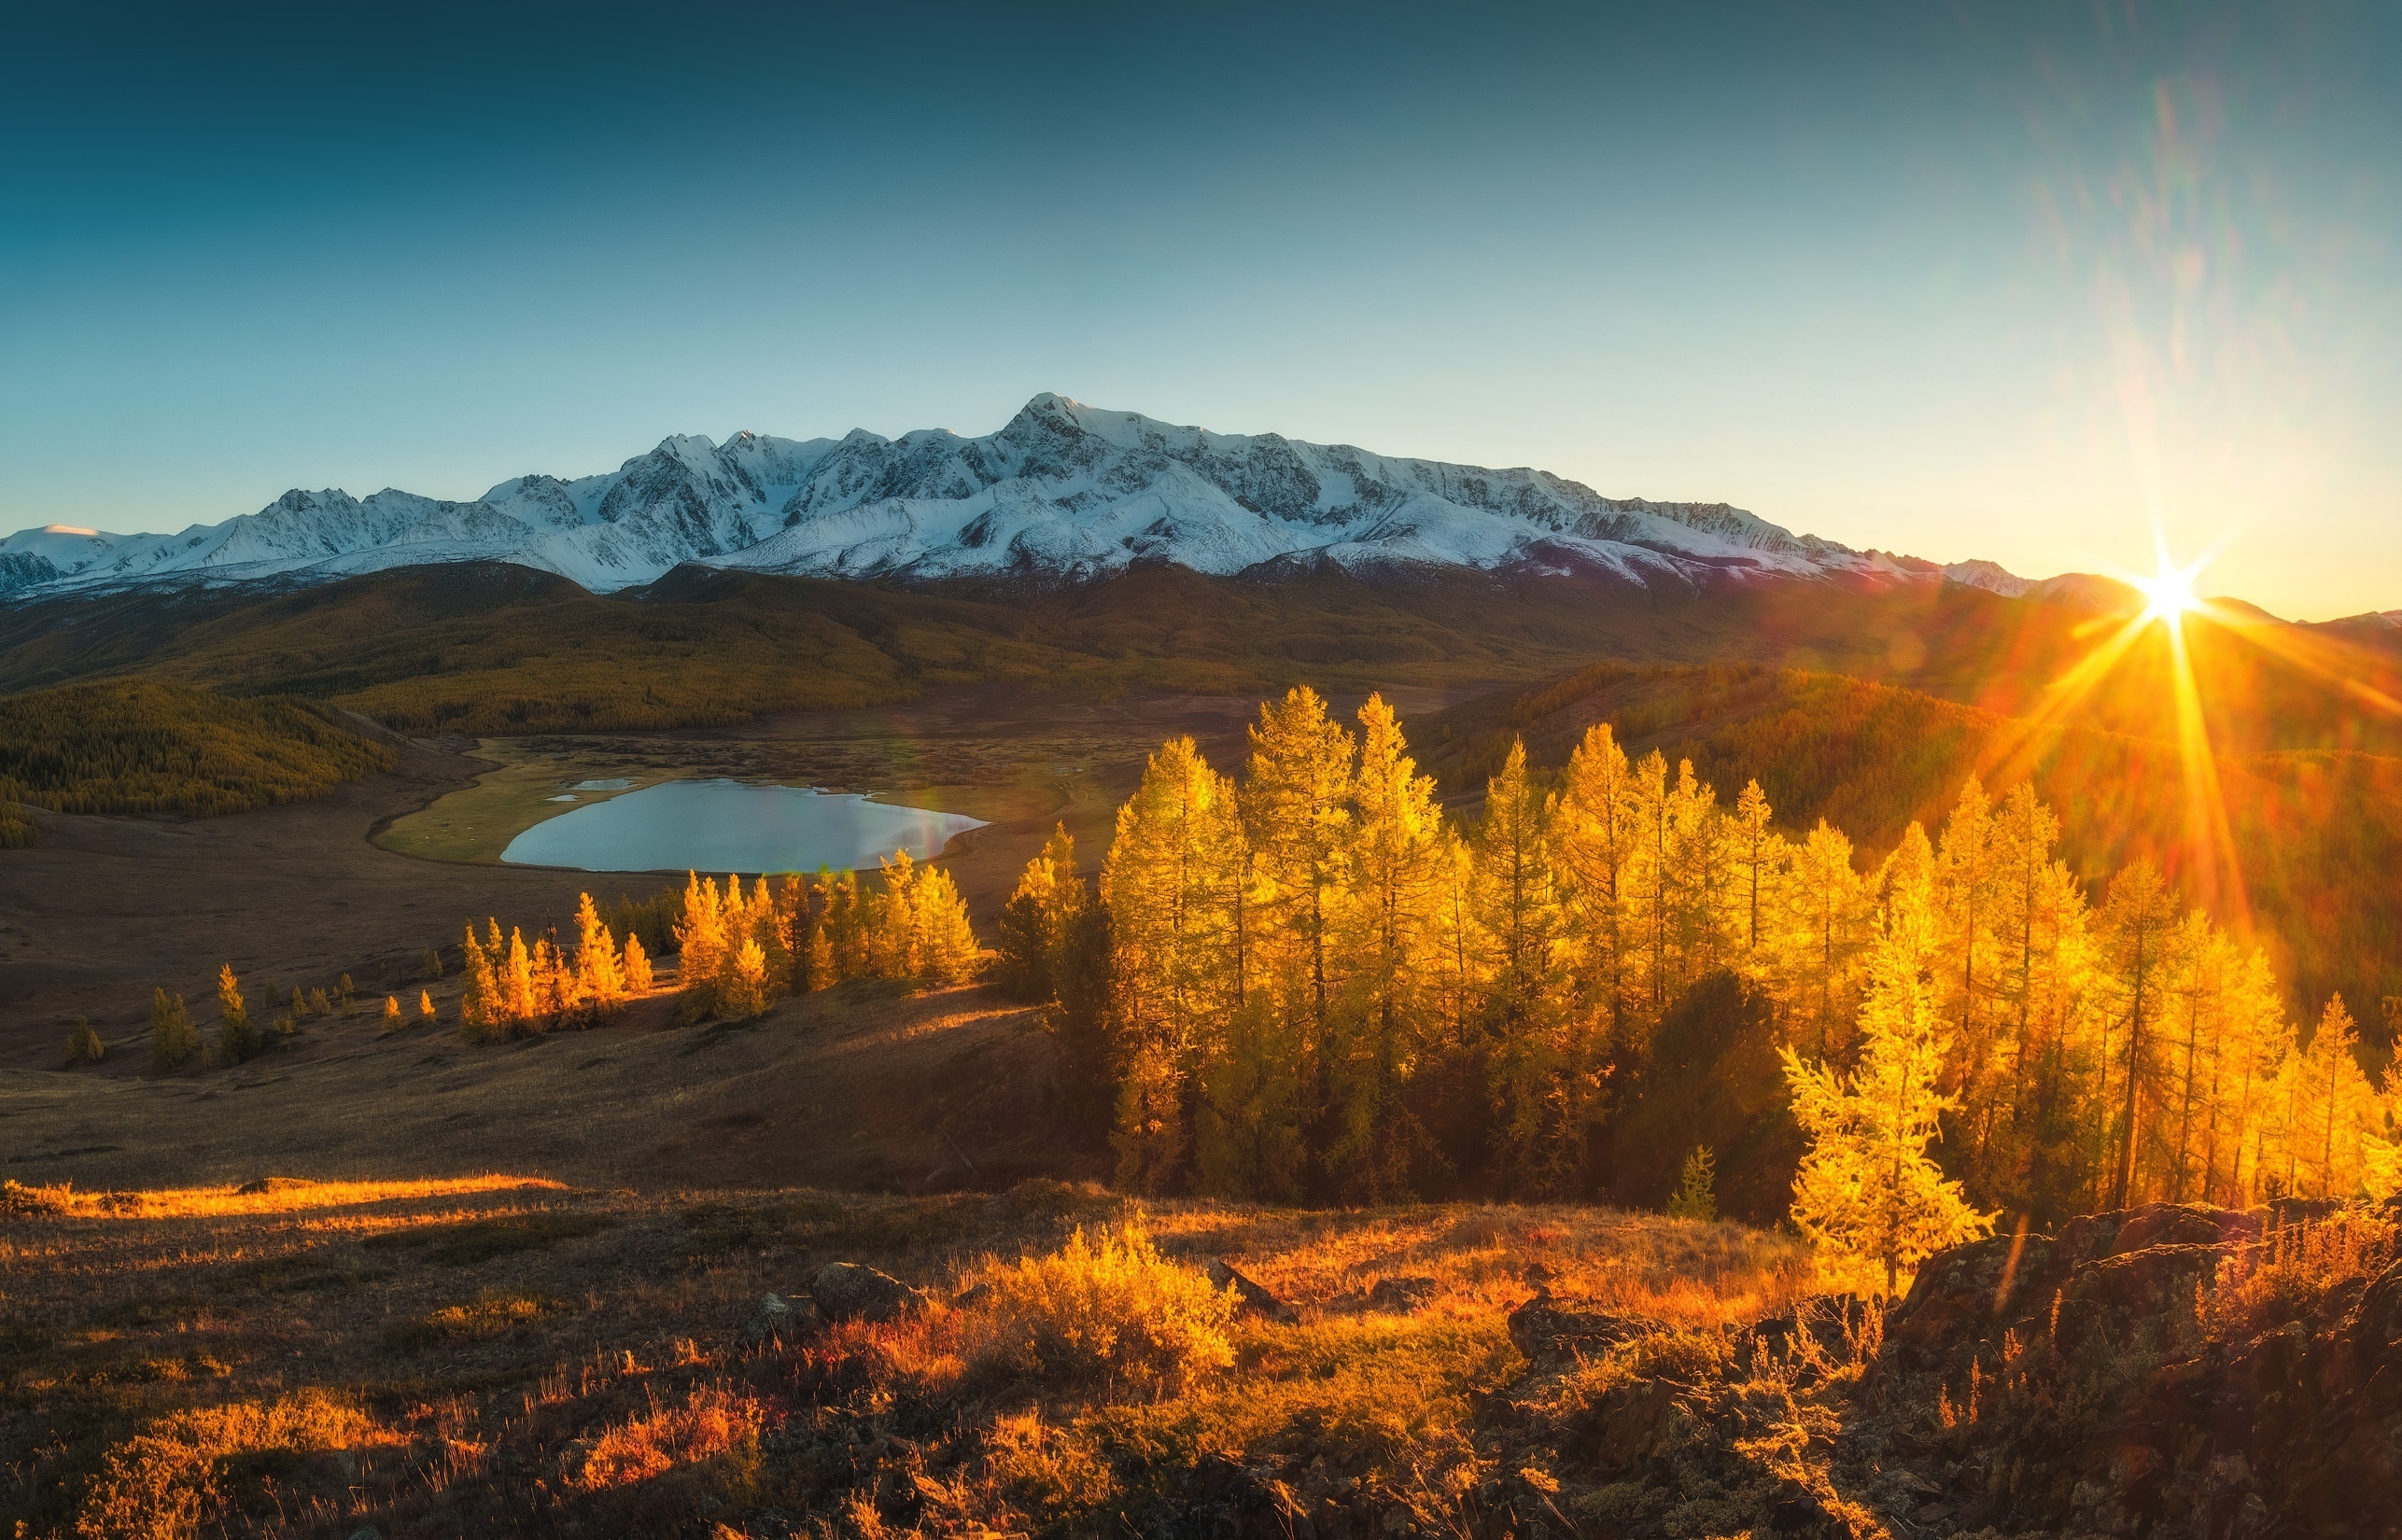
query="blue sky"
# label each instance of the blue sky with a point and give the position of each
(2015, 281)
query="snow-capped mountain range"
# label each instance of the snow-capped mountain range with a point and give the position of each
(1062, 489)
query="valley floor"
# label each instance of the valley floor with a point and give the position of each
(105, 909)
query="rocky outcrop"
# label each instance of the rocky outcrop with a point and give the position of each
(2162, 1373)
(2123, 1377)
(1542, 1328)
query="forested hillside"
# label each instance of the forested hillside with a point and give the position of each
(143, 745)
(491, 648)
(1313, 982)
(2315, 833)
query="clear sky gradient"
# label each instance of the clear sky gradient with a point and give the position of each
(2007, 280)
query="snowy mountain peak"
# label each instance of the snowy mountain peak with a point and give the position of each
(1062, 488)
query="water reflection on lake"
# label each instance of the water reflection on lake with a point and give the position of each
(729, 826)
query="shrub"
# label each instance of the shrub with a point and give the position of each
(1696, 1193)
(166, 1481)
(173, 1037)
(1107, 1307)
(237, 1040)
(21, 1202)
(712, 1423)
(494, 1314)
(83, 1046)
(2288, 1271)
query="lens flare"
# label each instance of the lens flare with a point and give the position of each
(2169, 595)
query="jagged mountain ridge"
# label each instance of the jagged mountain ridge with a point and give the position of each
(1062, 489)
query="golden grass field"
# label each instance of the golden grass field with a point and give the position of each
(499, 1353)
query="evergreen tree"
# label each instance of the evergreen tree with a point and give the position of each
(1297, 825)
(1173, 887)
(1696, 1193)
(1694, 885)
(482, 1007)
(1597, 845)
(940, 947)
(236, 1039)
(743, 993)
(517, 983)
(2261, 1039)
(638, 967)
(2334, 1119)
(1388, 927)
(2136, 925)
(1035, 923)
(1248, 1135)
(174, 1039)
(1755, 862)
(700, 938)
(83, 1045)
(1966, 876)
(1546, 1071)
(1082, 1021)
(1867, 1187)
(1655, 885)
(1829, 926)
(601, 974)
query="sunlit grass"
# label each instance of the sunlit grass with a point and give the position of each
(281, 1197)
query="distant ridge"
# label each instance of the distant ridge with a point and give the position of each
(1062, 489)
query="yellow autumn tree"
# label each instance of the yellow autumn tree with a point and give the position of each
(1545, 1066)
(1173, 884)
(1867, 1187)
(1389, 929)
(1596, 843)
(1296, 847)
(638, 978)
(600, 976)
(1035, 923)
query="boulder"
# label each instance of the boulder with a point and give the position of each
(2183, 1225)
(778, 1321)
(1542, 1327)
(1963, 1296)
(849, 1290)
(1401, 1295)
(2115, 1295)
(1250, 1298)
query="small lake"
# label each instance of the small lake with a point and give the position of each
(729, 826)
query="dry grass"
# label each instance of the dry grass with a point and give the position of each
(280, 1195)
(2293, 1269)
(709, 1424)
(317, 1358)
(1681, 1273)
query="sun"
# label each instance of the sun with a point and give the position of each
(2168, 595)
